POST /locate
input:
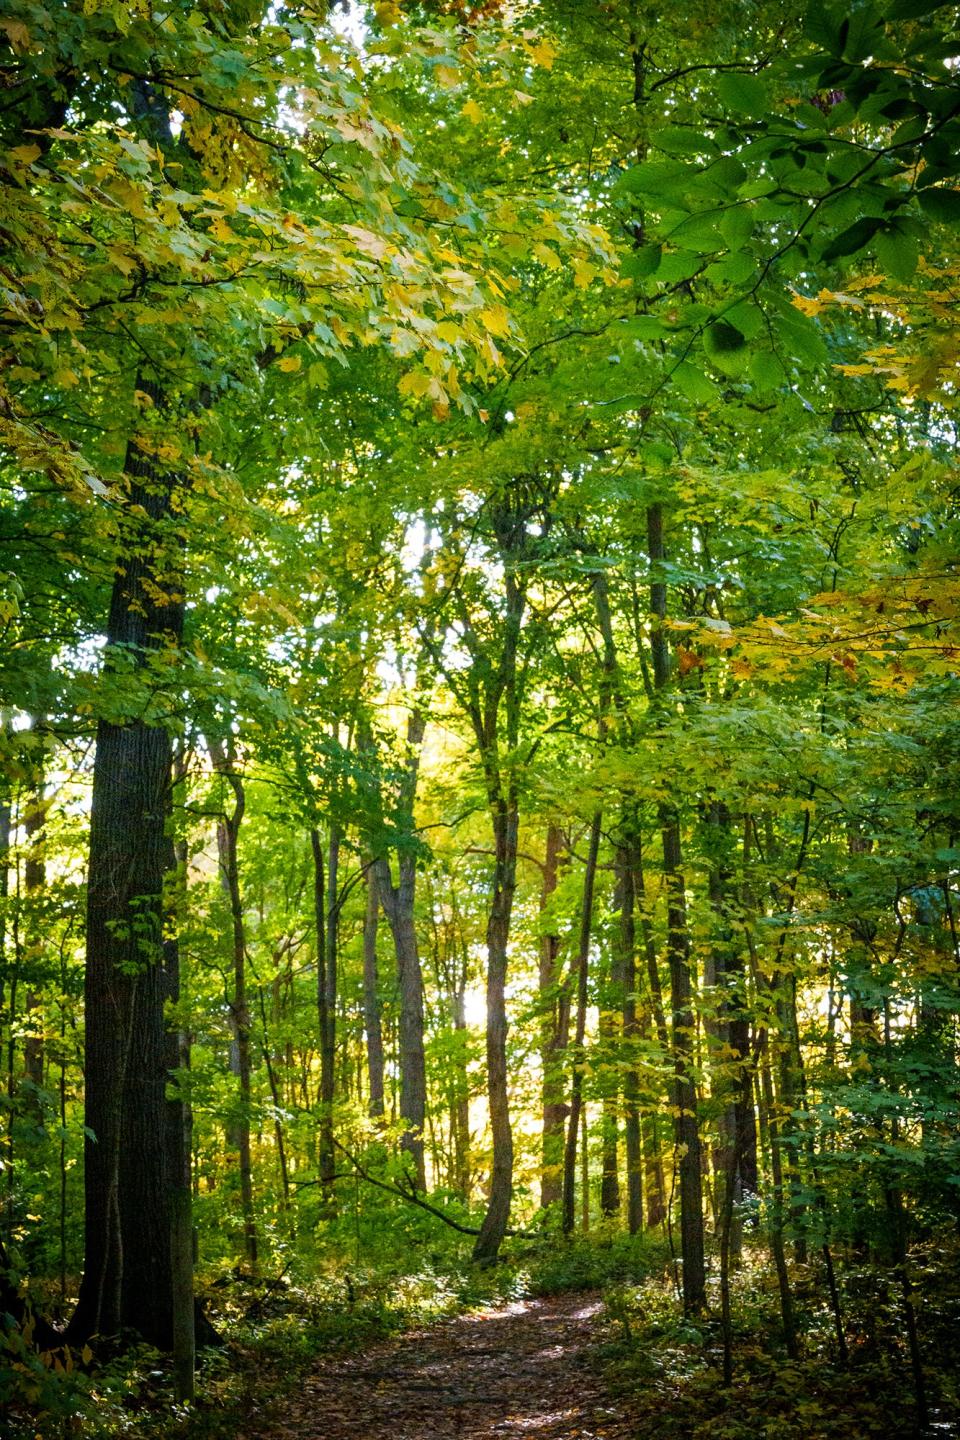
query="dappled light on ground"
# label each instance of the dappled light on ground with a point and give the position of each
(522, 1370)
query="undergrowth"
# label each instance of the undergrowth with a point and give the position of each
(274, 1327)
(669, 1366)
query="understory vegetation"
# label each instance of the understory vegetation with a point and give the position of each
(479, 744)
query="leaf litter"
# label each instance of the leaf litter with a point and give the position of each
(523, 1371)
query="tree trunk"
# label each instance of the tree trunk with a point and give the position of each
(554, 999)
(626, 975)
(460, 1110)
(228, 833)
(652, 1149)
(325, 883)
(777, 1208)
(34, 881)
(608, 1035)
(398, 906)
(371, 999)
(579, 1052)
(127, 1278)
(492, 688)
(506, 823)
(179, 1137)
(398, 902)
(687, 1129)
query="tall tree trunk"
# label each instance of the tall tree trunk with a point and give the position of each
(34, 880)
(325, 895)
(133, 1160)
(687, 1129)
(371, 999)
(460, 1113)
(492, 695)
(228, 834)
(5, 819)
(626, 976)
(736, 1158)
(554, 1000)
(398, 902)
(127, 1280)
(398, 906)
(657, 1019)
(579, 1048)
(506, 823)
(778, 1206)
(179, 1134)
(608, 1034)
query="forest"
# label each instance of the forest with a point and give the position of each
(479, 732)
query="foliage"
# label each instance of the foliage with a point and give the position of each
(542, 419)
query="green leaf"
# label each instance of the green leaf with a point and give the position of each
(641, 262)
(941, 204)
(766, 370)
(676, 140)
(909, 131)
(664, 179)
(745, 317)
(822, 26)
(693, 383)
(913, 9)
(700, 233)
(897, 252)
(855, 237)
(734, 270)
(859, 33)
(725, 175)
(736, 226)
(801, 336)
(745, 94)
(726, 347)
(679, 265)
(644, 327)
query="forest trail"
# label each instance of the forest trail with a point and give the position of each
(521, 1370)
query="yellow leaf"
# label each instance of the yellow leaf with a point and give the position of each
(17, 33)
(473, 112)
(808, 304)
(415, 383)
(496, 319)
(289, 363)
(25, 154)
(368, 241)
(446, 76)
(121, 260)
(543, 53)
(546, 256)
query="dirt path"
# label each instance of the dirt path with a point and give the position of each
(518, 1371)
